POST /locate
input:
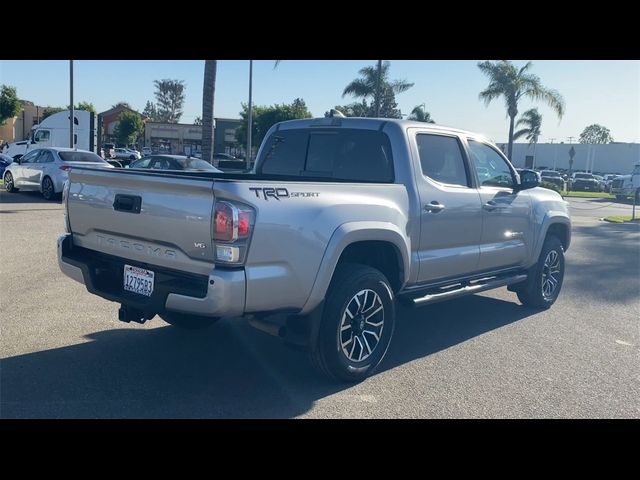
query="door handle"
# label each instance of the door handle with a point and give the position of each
(490, 206)
(127, 203)
(434, 207)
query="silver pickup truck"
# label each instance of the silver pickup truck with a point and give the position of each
(339, 218)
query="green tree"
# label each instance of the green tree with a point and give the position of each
(596, 134)
(150, 111)
(121, 104)
(531, 120)
(361, 109)
(170, 95)
(208, 98)
(419, 114)
(365, 88)
(9, 103)
(129, 128)
(48, 111)
(511, 83)
(265, 117)
(87, 106)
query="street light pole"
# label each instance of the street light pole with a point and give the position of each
(250, 126)
(378, 88)
(71, 101)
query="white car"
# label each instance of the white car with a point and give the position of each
(126, 154)
(46, 169)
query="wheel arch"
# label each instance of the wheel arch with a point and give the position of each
(558, 225)
(380, 245)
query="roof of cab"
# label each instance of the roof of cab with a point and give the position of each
(372, 123)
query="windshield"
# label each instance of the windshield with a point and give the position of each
(584, 175)
(195, 164)
(550, 173)
(80, 157)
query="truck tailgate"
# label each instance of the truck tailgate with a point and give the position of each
(124, 213)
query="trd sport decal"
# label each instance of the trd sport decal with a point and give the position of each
(279, 192)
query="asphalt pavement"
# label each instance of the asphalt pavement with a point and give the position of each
(64, 354)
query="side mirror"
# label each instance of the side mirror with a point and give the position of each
(528, 179)
(17, 160)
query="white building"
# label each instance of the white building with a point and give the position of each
(604, 158)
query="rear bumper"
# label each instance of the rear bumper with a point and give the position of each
(220, 294)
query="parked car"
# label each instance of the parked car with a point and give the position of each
(608, 179)
(5, 161)
(224, 156)
(585, 182)
(624, 186)
(317, 243)
(146, 151)
(601, 182)
(125, 155)
(554, 177)
(173, 162)
(46, 169)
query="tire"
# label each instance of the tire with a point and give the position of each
(539, 290)
(332, 354)
(188, 322)
(8, 183)
(48, 190)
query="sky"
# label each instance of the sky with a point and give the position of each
(595, 91)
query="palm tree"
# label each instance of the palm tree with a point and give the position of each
(505, 80)
(208, 94)
(366, 86)
(419, 114)
(532, 122)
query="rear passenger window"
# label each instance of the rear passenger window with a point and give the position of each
(441, 159)
(45, 157)
(284, 153)
(341, 154)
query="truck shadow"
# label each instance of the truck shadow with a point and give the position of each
(610, 272)
(228, 371)
(26, 197)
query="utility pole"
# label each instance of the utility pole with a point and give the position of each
(378, 88)
(71, 103)
(570, 139)
(250, 126)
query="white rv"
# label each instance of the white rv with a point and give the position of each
(53, 131)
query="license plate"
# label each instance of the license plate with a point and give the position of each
(138, 280)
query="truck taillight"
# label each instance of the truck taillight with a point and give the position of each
(244, 222)
(232, 228)
(223, 225)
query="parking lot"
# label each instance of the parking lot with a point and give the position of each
(65, 354)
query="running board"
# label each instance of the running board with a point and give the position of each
(469, 289)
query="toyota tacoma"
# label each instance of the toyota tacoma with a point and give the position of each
(339, 219)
